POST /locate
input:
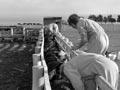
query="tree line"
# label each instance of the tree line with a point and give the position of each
(101, 18)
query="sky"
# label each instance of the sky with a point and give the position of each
(33, 9)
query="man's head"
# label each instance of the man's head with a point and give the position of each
(73, 20)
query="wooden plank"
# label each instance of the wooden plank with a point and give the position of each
(41, 82)
(118, 55)
(36, 58)
(37, 49)
(46, 76)
(39, 43)
(38, 82)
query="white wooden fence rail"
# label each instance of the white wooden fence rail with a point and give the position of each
(40, 69)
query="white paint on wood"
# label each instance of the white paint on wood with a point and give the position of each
(37, 75)
(36, 58)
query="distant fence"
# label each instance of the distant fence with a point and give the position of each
(111, 26)
(16, 33)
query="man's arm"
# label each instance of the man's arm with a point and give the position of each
(74, 76)
(83, 39)
(82, 42)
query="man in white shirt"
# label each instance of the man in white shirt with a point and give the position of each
(91, 64)
(91, 33)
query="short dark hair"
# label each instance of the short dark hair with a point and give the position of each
(73, 19)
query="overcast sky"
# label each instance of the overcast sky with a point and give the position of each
(35, 8)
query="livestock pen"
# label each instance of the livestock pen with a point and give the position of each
(41, 76)
(36, 74)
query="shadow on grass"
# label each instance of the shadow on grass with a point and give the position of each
(16, 66)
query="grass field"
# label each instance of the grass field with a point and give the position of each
(16, 66)
(113, 31)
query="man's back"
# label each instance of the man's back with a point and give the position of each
(92, 64)
(95, 34)
(94, 26)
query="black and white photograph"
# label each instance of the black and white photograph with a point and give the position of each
(59, 44)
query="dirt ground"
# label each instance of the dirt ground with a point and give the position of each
(16, 66)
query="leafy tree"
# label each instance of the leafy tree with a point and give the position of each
(118, 18)
(92, 17)
(99, 18)
(111, 19)
(105, 19)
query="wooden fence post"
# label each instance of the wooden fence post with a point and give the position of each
(38, 77)
(46, 76)
(40, 70)
(118, 55)
(37, 49)
(39, 43)
(36, 59)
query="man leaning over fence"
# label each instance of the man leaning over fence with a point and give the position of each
(93, 66)
(91, 34)
(89, 70)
